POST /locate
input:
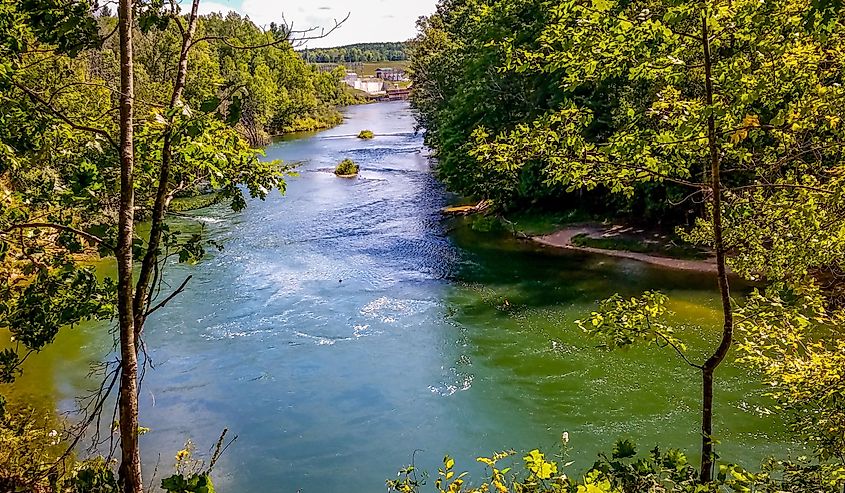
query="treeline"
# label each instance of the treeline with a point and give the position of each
(358, 53)
(279, 92)
(724, 116)
(274, 89)
(461, 86)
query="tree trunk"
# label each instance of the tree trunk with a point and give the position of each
(130, 465)
(146, 281)
(709, 367)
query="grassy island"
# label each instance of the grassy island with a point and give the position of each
(366, 135)
(347, 168)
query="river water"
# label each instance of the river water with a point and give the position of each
(343, 328)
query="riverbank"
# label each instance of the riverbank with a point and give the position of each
(578, 231)
(568, 238)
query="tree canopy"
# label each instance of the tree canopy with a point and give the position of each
(730, 105)
(357, 53)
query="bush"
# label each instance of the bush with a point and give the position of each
(366, 134)
(347, 167)
(624, 471)
(33, 460)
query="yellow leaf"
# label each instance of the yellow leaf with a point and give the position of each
(751, 121)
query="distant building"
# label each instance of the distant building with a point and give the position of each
(372, 86)
(391, 74)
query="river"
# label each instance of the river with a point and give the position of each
(342, 328)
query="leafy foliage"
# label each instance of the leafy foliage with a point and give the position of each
(792, 337)
(465, 91)
(273, 90)
(622, 322)
(624, 471)
(738, 101)
(60, 170)
(347, 167)
(362, 52)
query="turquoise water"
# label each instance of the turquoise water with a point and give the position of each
(345, 326)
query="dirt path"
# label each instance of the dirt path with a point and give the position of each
(563, 239)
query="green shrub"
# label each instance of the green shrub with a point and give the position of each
(347, 167)
(622, 471)
(366, 134)
(33, 459)
(487, 224)
(196, 202)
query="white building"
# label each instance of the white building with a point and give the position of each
(370, 85)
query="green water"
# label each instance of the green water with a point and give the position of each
(345, 326)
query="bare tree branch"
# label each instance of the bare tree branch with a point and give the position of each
(678, 350)
(167, 300)
(304, 36)
(60, 227)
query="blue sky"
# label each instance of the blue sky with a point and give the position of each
(370, 20)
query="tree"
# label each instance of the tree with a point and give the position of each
(130, 457)
(737, 100)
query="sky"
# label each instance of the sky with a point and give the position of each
(369, 21)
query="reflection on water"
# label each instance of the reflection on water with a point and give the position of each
(341, 329)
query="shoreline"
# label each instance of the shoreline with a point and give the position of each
(562, 239)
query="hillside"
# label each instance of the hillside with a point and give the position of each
(358, 53)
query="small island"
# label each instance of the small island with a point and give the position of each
(366, 135)
(347, 169)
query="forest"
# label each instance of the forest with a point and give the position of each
(718, 119)
(358, 53)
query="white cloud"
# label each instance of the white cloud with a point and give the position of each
(370, 20)
(209, 7)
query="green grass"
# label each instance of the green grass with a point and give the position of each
(366, 135)
(539, 223)
(672, 250)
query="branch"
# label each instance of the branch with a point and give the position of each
(69, 85)
(285, 39)
(677, 350)
(35, 97)
(95, 414)
(167, 300)
(632, 21)
(782, 185)
(60, 227)
(653, 173)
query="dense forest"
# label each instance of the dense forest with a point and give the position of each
(358, 53)
(467, 82)
(721, 117)
(274, 90)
